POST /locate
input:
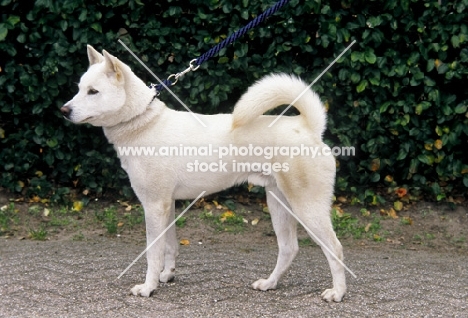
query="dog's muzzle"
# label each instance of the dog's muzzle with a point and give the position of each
(66, 111)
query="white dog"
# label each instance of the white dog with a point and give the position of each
(112, 96)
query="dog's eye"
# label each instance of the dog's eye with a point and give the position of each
(92, 91)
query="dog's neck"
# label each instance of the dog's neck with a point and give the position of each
(119, 134)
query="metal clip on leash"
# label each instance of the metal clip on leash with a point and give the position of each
(168, 82)
(192, 67)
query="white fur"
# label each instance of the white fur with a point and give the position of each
(279, 89)
(125, 108)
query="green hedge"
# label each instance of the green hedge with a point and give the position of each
(399, 97)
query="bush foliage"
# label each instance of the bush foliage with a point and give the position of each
(399, 96)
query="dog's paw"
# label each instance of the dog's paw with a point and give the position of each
(264, 284)
(167, 276)
(333, 294)
(143, 290)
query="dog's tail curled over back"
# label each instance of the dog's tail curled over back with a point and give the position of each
(280, 89)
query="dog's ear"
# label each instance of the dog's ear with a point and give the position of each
(113, 67)
(93, 56)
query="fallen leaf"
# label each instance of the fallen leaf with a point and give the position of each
(255, 221)
(46, 212)
(367, 227)
(77, 206)
(245, 220)
(225, 215)
(228, 214)
(342, 199)
(120, 224)
(392, 213)
(338, 210)
(397, 242)
(388, 178)
(398, 205)
(217, 205)
(200, 203)
(408, 220)
(184, 242)
(265, 209)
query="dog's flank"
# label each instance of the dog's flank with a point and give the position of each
(113, 97)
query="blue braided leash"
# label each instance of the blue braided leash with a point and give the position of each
(195, 64)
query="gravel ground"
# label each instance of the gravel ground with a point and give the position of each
(79, 279)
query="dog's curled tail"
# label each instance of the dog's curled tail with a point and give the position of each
(275, 90)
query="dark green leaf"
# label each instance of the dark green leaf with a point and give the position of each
(3, 32)
(370, 57)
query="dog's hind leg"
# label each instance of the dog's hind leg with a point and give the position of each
(285, 227)
(171, 252)
(316, 218)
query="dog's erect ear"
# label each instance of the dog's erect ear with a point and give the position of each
(113, 67)
(93, 56)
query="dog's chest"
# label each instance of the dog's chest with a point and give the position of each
(124, 162)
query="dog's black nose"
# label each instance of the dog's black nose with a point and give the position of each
(66, 111)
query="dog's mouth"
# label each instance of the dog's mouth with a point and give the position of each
(84, 121)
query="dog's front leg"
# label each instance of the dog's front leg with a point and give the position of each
(172, 250)
(156, 217)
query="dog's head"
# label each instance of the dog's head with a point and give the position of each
(102, 93)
